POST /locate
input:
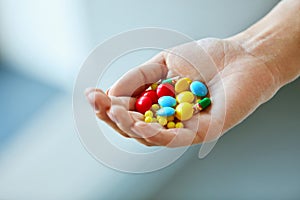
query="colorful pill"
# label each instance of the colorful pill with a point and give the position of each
(165, 89)
(143, 104)
(185, 96)
(198, 88)
(171, 125)
(152, 94)
(167, 101)
(182, 85)
(188, 80)
(148, 119)
(171, 80)
(165, 111)
(155, 107)
(158, 117)
(204, 103)
(162, 121)
(179, 125)
(184, 111)
(170, 118)
(148, 113)
(154, 86)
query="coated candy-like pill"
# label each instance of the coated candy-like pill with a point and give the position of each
(148, 119)
(148, 113)
(179, 125)
(154, 86)
(166, 101)
(198, 88)
(155, 107)
(203, 103)
(171, 125)
(158, 117)
(170, 118)
(171, 80)
(165, 111)
(184, 111)
(162, 121)
(165, 89)
(182, 85)
(188, 80)
(185, 96)
(143, 104)
(152, 94)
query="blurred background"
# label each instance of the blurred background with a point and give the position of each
(42, 46)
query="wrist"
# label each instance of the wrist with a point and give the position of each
(275, 40)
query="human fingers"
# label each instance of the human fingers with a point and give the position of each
(125, 119)
(159, 136)
(138, 79)
(101, 103)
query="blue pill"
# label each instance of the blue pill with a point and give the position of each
(165, 111)
(167, 101)
(198, 89)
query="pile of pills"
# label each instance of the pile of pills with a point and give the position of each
(171, 101)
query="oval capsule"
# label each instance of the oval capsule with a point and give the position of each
(167, 101)
(143, 104)
(185, 96)
(165, 111)
(152, 94)
(165, 89)
(182, 85)
(184, 111)
(203, 103)
(198, 88)
(179, 125)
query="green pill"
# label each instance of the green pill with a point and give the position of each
(167, 81)
(203, 103)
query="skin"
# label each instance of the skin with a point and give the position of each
(241, 72)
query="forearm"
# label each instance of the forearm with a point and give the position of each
(276, 41)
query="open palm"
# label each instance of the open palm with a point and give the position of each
(237, 82)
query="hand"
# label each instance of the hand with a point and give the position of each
(237, 81)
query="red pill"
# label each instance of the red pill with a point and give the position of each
(152, 94)
(165, 89)
(143, 104)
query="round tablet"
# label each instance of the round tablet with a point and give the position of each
(198, 88)
(166, 101)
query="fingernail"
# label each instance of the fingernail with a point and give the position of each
(107, 91)
(92, 100)
(87, 91)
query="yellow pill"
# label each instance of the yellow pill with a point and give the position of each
(154, 86)
(159, 117)
(188, 80)
(148, 119)
(184, 111)
(179, 125)
(185, 96)
(162, 120)
(182, 85)
(171, 125)
(149, 113)
(155, 107)
(170, 118)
